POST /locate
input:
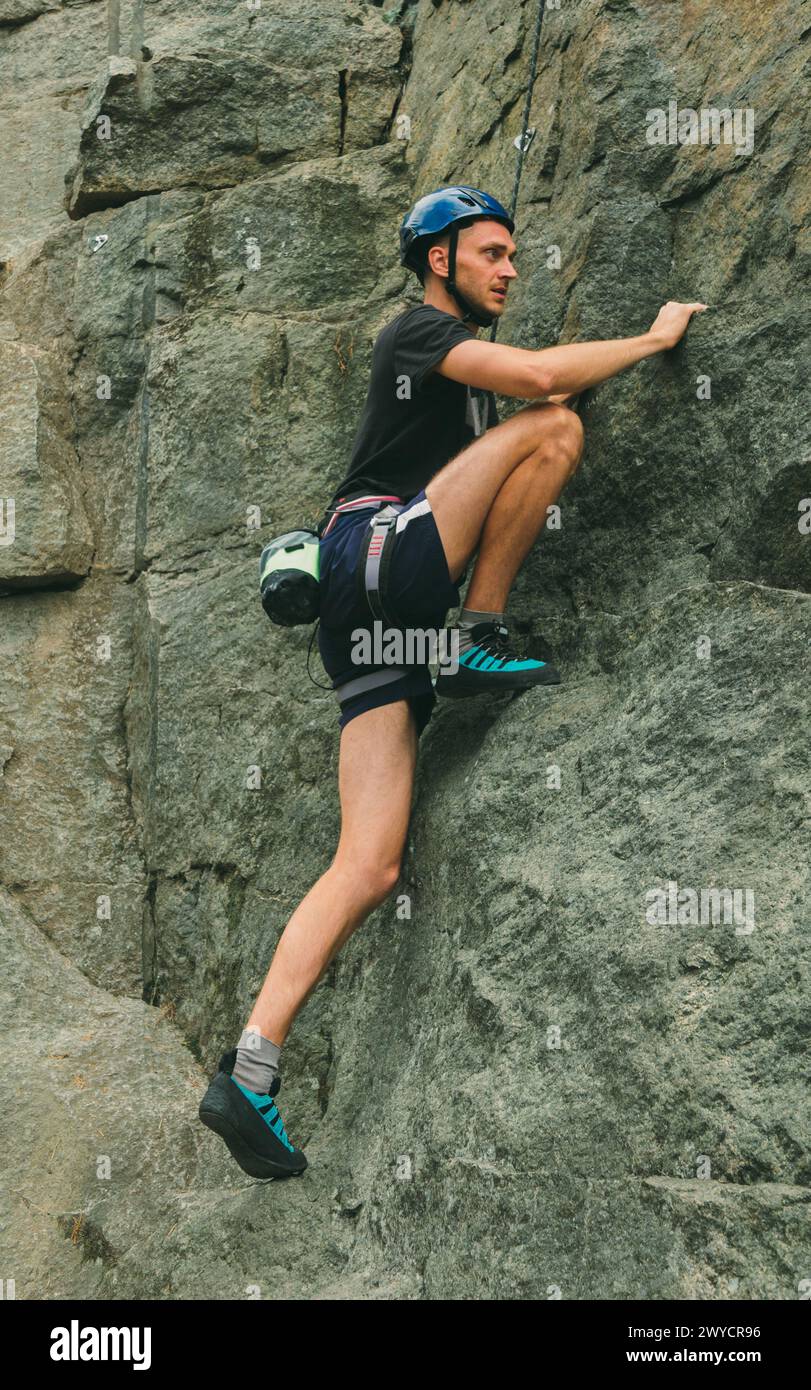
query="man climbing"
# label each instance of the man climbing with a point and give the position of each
(457, 482)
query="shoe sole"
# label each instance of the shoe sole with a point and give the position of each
(250, 1162)
(450, 690)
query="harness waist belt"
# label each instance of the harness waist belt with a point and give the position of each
(352, 504)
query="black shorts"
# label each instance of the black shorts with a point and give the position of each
(419, 588)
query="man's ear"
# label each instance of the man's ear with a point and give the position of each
(444, 266)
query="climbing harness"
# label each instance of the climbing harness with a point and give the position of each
(374, 562)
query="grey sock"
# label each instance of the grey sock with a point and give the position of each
(257, 1061)
(468, 619)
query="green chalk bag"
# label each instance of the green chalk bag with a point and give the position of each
(289, 578)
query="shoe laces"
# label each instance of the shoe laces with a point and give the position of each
(272, 1092)
(282, 1132)
(283, 1135)
(495, 643)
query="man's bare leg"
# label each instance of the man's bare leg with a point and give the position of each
(377, 758)
(538, 448)
(518, 514)
(463, 493)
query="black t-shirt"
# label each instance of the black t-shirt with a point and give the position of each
(413, 423)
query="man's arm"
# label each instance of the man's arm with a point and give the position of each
(565, 370)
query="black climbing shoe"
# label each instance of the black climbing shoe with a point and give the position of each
(489, 667)
(250, 1124)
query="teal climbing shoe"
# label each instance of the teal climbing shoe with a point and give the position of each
(490, 667)
(250, 1124)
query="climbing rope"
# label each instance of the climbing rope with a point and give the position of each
(524, 142)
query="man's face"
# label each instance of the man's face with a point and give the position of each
(484, 264)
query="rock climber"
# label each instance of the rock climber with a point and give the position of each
(456, 484)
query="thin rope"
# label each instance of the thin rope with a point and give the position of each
(519, 164)
(309, 651)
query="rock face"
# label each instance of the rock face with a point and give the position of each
(515, 1080)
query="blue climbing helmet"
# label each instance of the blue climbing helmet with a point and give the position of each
(448, 208)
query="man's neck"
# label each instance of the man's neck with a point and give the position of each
(440, 300)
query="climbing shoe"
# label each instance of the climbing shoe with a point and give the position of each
(489, 666)
(250, 1124)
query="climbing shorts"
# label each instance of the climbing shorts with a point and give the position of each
(418, 590)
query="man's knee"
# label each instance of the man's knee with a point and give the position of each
(560, 435)
(371, 882)
(385, 879)
(545, 418)
(574, 437)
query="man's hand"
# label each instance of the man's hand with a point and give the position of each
(670, 324)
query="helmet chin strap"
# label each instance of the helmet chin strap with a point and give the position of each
(468, 312)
